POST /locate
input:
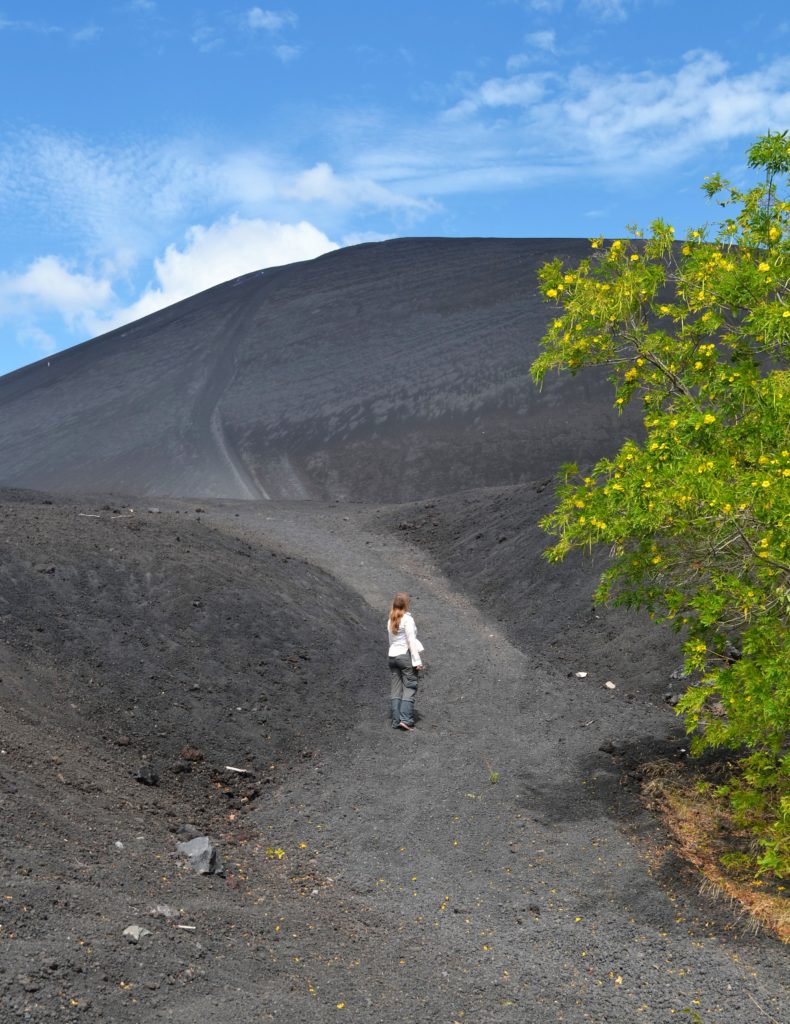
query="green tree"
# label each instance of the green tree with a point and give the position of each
(696, 512)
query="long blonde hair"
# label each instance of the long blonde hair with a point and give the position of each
(400, 605)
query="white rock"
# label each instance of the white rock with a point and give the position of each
(163, 910)
(134, 932)
(610, 685)
(581, 675)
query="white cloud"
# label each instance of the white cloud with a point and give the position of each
(206, 38)
(220, 252)
(122, 205)
(41, 27)
(518, 91)
(270, 21)
(539, 43)
(624, 123)
(544, 6)
(48, 284)
(321, 184)
(49, 291)
(518, 62)
(545, 40)
(287, 53)
(652, 119)
(611, 10)
(87, 34)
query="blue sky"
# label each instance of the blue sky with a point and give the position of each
(152, 148)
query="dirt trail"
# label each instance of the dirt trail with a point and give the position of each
(528, 898)
(206, 420)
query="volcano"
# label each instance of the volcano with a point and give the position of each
(387, 371)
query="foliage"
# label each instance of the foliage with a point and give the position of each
(697, 512)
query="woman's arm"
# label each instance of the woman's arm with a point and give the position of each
(411, 639)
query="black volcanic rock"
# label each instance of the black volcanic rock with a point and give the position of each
(389, 371)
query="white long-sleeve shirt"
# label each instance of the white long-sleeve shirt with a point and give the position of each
(405, 640)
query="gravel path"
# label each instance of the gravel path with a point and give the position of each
(538, 897)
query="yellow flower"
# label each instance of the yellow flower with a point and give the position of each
(709, 418)
(634, 257)
(766, 483)
(552, 293)
(763, 268)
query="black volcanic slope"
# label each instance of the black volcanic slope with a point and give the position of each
(390, 371)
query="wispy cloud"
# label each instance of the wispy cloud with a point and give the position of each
(544, 6)
(623, 123)
(119, 207)
(83, 35)
(287, 53)
(610, 10)
(124, 202)
(24, 25)
(270, 21)
(544, 40)
(86, 35)
(538, 44)
(516, 91)
(207, 38)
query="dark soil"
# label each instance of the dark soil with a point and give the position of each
(494, 865)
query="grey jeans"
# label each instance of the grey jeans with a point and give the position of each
(403, 678)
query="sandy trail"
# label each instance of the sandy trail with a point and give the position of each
(525, 899)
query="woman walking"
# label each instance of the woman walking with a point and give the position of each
(404, 662)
